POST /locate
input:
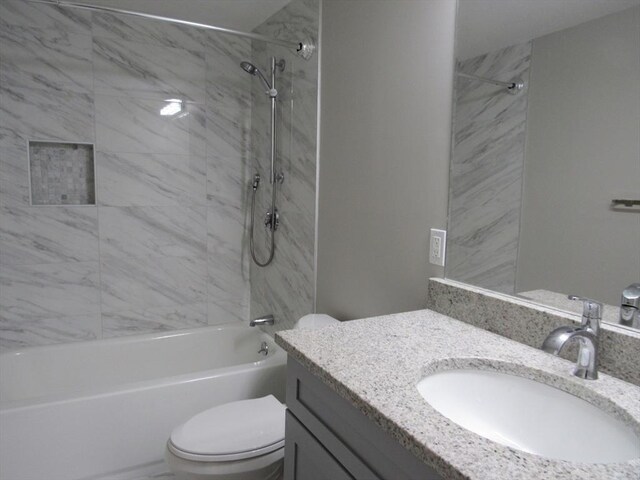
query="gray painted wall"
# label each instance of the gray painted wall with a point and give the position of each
(582, 149)
(387, 70)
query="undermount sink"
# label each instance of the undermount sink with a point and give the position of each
(530, 416)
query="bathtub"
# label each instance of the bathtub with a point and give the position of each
(105, 409)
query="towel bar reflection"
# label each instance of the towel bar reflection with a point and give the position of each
(627, 202)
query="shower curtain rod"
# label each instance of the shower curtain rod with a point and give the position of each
(513, 87)
(304, 49)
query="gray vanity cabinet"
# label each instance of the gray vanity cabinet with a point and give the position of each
(327, 438)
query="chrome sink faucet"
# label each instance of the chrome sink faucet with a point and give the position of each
(587, 336)
(630, 306)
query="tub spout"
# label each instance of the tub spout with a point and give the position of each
(266, 320)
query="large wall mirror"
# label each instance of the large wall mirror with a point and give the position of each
(537, 166)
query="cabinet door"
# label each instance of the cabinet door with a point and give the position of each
(360, 446)
(306, 459)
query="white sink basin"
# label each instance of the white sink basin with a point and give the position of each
(530, 416)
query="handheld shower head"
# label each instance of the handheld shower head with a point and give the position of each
(253, 70)
(248, 67)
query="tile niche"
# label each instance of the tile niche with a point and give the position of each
(61, 173)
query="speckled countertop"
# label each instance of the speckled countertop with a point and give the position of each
(375, 364)
(610, 313)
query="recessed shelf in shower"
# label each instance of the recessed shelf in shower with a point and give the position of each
(61, 173)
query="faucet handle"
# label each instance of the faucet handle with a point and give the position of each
(630, 306)
(591, 312)
(631, 296)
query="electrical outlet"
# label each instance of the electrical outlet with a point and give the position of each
(437, 246)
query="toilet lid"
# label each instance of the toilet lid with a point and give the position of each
(233, 431)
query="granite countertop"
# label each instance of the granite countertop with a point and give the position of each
(610, 313)
(375, 364)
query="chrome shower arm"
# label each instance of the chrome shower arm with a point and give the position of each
(513, 87)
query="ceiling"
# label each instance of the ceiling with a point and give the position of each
(236, 14)
(487, 25)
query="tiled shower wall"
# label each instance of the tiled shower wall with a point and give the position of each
(487, 170)
(286, 286)
(163, 248)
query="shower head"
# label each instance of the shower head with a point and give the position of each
(249, 67)
(253, 70)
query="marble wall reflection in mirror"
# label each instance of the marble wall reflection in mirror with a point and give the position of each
(533, 175)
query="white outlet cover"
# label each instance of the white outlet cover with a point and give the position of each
(437, 252)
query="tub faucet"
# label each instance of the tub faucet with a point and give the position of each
(264, 348)
(266, 320)
(630, 306)
(587, 335)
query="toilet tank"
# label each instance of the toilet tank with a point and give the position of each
(315, 321)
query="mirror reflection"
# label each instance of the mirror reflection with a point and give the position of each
(537, 167)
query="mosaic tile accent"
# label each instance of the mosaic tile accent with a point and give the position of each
(62, 174)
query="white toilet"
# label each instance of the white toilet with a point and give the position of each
(242, 440)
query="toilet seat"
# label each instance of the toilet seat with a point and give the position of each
(230, 432)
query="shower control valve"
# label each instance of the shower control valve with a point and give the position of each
(272, 221)
(256, 182)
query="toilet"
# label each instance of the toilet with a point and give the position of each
(242, 440)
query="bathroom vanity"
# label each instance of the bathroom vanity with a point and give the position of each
(328, 438)
(354, 409)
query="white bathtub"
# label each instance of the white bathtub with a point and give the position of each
(104, 409)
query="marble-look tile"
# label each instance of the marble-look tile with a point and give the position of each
(131, 283)
(18, 332)
(35, 235)
(493, 271)
(228, 85)
(228, 180)
(486, 171)
(158, 251)
(44, 115)
(27, 14)
(226, 308)
(135, 125)
(227, 264)
(198, 133)
(49, 59)
(150, 320)
(300, 191)
(14, 173)
(261, 131)
(270, 294)
(228, 132)
(146, 179)
(304, 114)
(285, 288)
(143, 70)
(52, 290)
(150, 32)
(296, 20)
(150, 232)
